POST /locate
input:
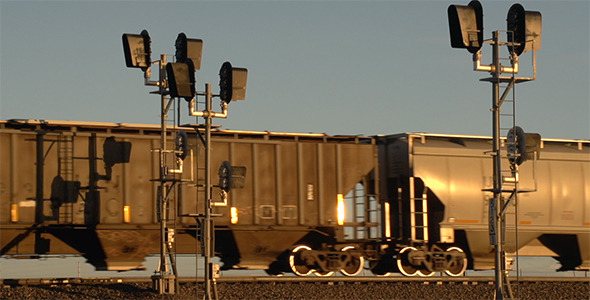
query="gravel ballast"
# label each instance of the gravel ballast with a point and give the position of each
(303, 290)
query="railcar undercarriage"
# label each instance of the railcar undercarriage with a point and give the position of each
(351, 259)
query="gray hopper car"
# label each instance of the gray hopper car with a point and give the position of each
(310, 203)
(435, 186)
(66, 188)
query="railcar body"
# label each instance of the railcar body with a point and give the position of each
(88, 188)
(437, 190)
(415, 203)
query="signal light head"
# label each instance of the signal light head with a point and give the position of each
(189, 49)
(225, 82)
(181, 79)
(466, 26)
(231, 176)
(181, 144)
(136, 48)
(232, 82)
(524, 28)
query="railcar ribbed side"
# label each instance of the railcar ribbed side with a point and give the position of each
(62, 193)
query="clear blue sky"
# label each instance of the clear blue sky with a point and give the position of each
(339, 67)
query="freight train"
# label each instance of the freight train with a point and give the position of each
(413, 203)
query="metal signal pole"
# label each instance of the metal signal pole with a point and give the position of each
(207, 225)
(208, 231)
(164, 281)
(498, 201)
(498, 204)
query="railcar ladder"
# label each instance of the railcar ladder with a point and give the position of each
(418, 214)
(510, 176)
(365, 212)
(65, 156)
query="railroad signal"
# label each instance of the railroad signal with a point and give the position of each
(466, 26)
(232, 82)
(137, 50)
(178, 80)
(225, 82)
(524, 33)
(231, 176)
(516, 145)
(525, 145)
(181, 79)
(181, 144)
(524, 28)
(225, 176)
(189, 49)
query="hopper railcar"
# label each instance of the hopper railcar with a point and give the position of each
(88, 188)
(415, 203)
(436, 191)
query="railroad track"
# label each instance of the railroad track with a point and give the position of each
(290, 279)
(298, 288)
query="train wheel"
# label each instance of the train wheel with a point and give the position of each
(456, 267)
(425, 273)
(323, 274)
(403, 264)
(355, 265)
(298, 266)
(383, 274)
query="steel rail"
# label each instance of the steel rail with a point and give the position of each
(466, 280)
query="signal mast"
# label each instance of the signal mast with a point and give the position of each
(177, 80)
(523, 34)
